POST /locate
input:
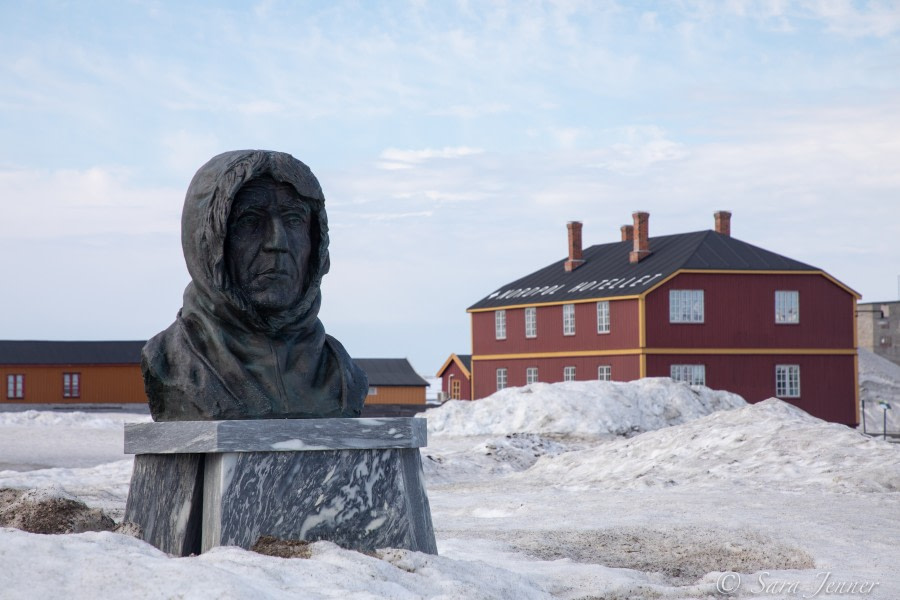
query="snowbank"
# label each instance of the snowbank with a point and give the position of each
(580, 408)
(43, 418)
(109, 565)
(771, 444)
(879, 380)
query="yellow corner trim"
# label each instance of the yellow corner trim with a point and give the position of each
(754, 351)
(453, 358)
(576, 353)
(643, 352)
(843, 286)
(554, 303)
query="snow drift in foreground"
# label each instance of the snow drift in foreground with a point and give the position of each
(768, 444)
(581, 408)
(879, 380)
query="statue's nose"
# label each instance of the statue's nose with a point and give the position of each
(276, 236)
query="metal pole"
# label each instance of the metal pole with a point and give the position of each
(884, 425)
(864, 414)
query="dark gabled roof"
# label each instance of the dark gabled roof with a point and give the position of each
(461, 360)
(607, 271)
(30, 352)
(390, 371)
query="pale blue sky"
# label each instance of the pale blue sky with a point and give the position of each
(453, 141)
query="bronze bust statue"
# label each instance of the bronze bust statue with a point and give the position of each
(247, 343)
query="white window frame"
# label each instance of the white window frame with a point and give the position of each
(603, 316)
(569, 373)
(787, 307)
(531, 375)
(689, 374)
(686, 306)
(787, 381)
(500, 324)
(531, 322)
(15, 386)
(373, 391)
(502, 378)
(71, 385)
(568, 319)
(604, 373)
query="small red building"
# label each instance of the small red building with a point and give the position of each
(701, 307)
(456, 377)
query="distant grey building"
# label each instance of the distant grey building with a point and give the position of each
(878, 328)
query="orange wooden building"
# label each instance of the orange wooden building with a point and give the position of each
(104, 372)
(46, 372)
(392, 381)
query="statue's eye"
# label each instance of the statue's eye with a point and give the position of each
(295, 219)
(248, 220)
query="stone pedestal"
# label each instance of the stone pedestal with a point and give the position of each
(355, 482)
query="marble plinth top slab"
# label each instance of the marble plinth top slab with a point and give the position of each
(273, 435)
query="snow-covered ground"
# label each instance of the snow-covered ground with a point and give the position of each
(879, 381)
(580, 490)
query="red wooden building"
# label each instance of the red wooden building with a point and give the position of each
(456, 377)
(700, 307)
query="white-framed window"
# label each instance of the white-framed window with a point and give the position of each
(500, 324)
(501, 378)
(690, 374)
(568, 319)
(603, 316)
(787, 306)
(15, 386)
(71, 385)
(531, 375)
(373, 391)
(568, 373)
(787, 381)
(604, 372)
(686, 306)
(531, 322)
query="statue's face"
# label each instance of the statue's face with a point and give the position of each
(268, 245)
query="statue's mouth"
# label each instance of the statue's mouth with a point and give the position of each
(274, 273)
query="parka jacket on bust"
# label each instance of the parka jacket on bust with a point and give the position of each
(221, 359)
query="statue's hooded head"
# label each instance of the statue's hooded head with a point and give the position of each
(255, 238)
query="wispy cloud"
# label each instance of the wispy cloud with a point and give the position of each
(393, 159)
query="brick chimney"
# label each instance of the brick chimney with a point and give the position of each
(641, 237)
(723, 222)
(627, 233)
(575, 259)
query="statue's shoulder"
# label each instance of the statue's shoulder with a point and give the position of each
(356, 383)
(175, 380)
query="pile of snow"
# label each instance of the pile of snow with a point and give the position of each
(581, 409)
(771, 444)
(109, 565)
(81, 420)
(879, 380)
